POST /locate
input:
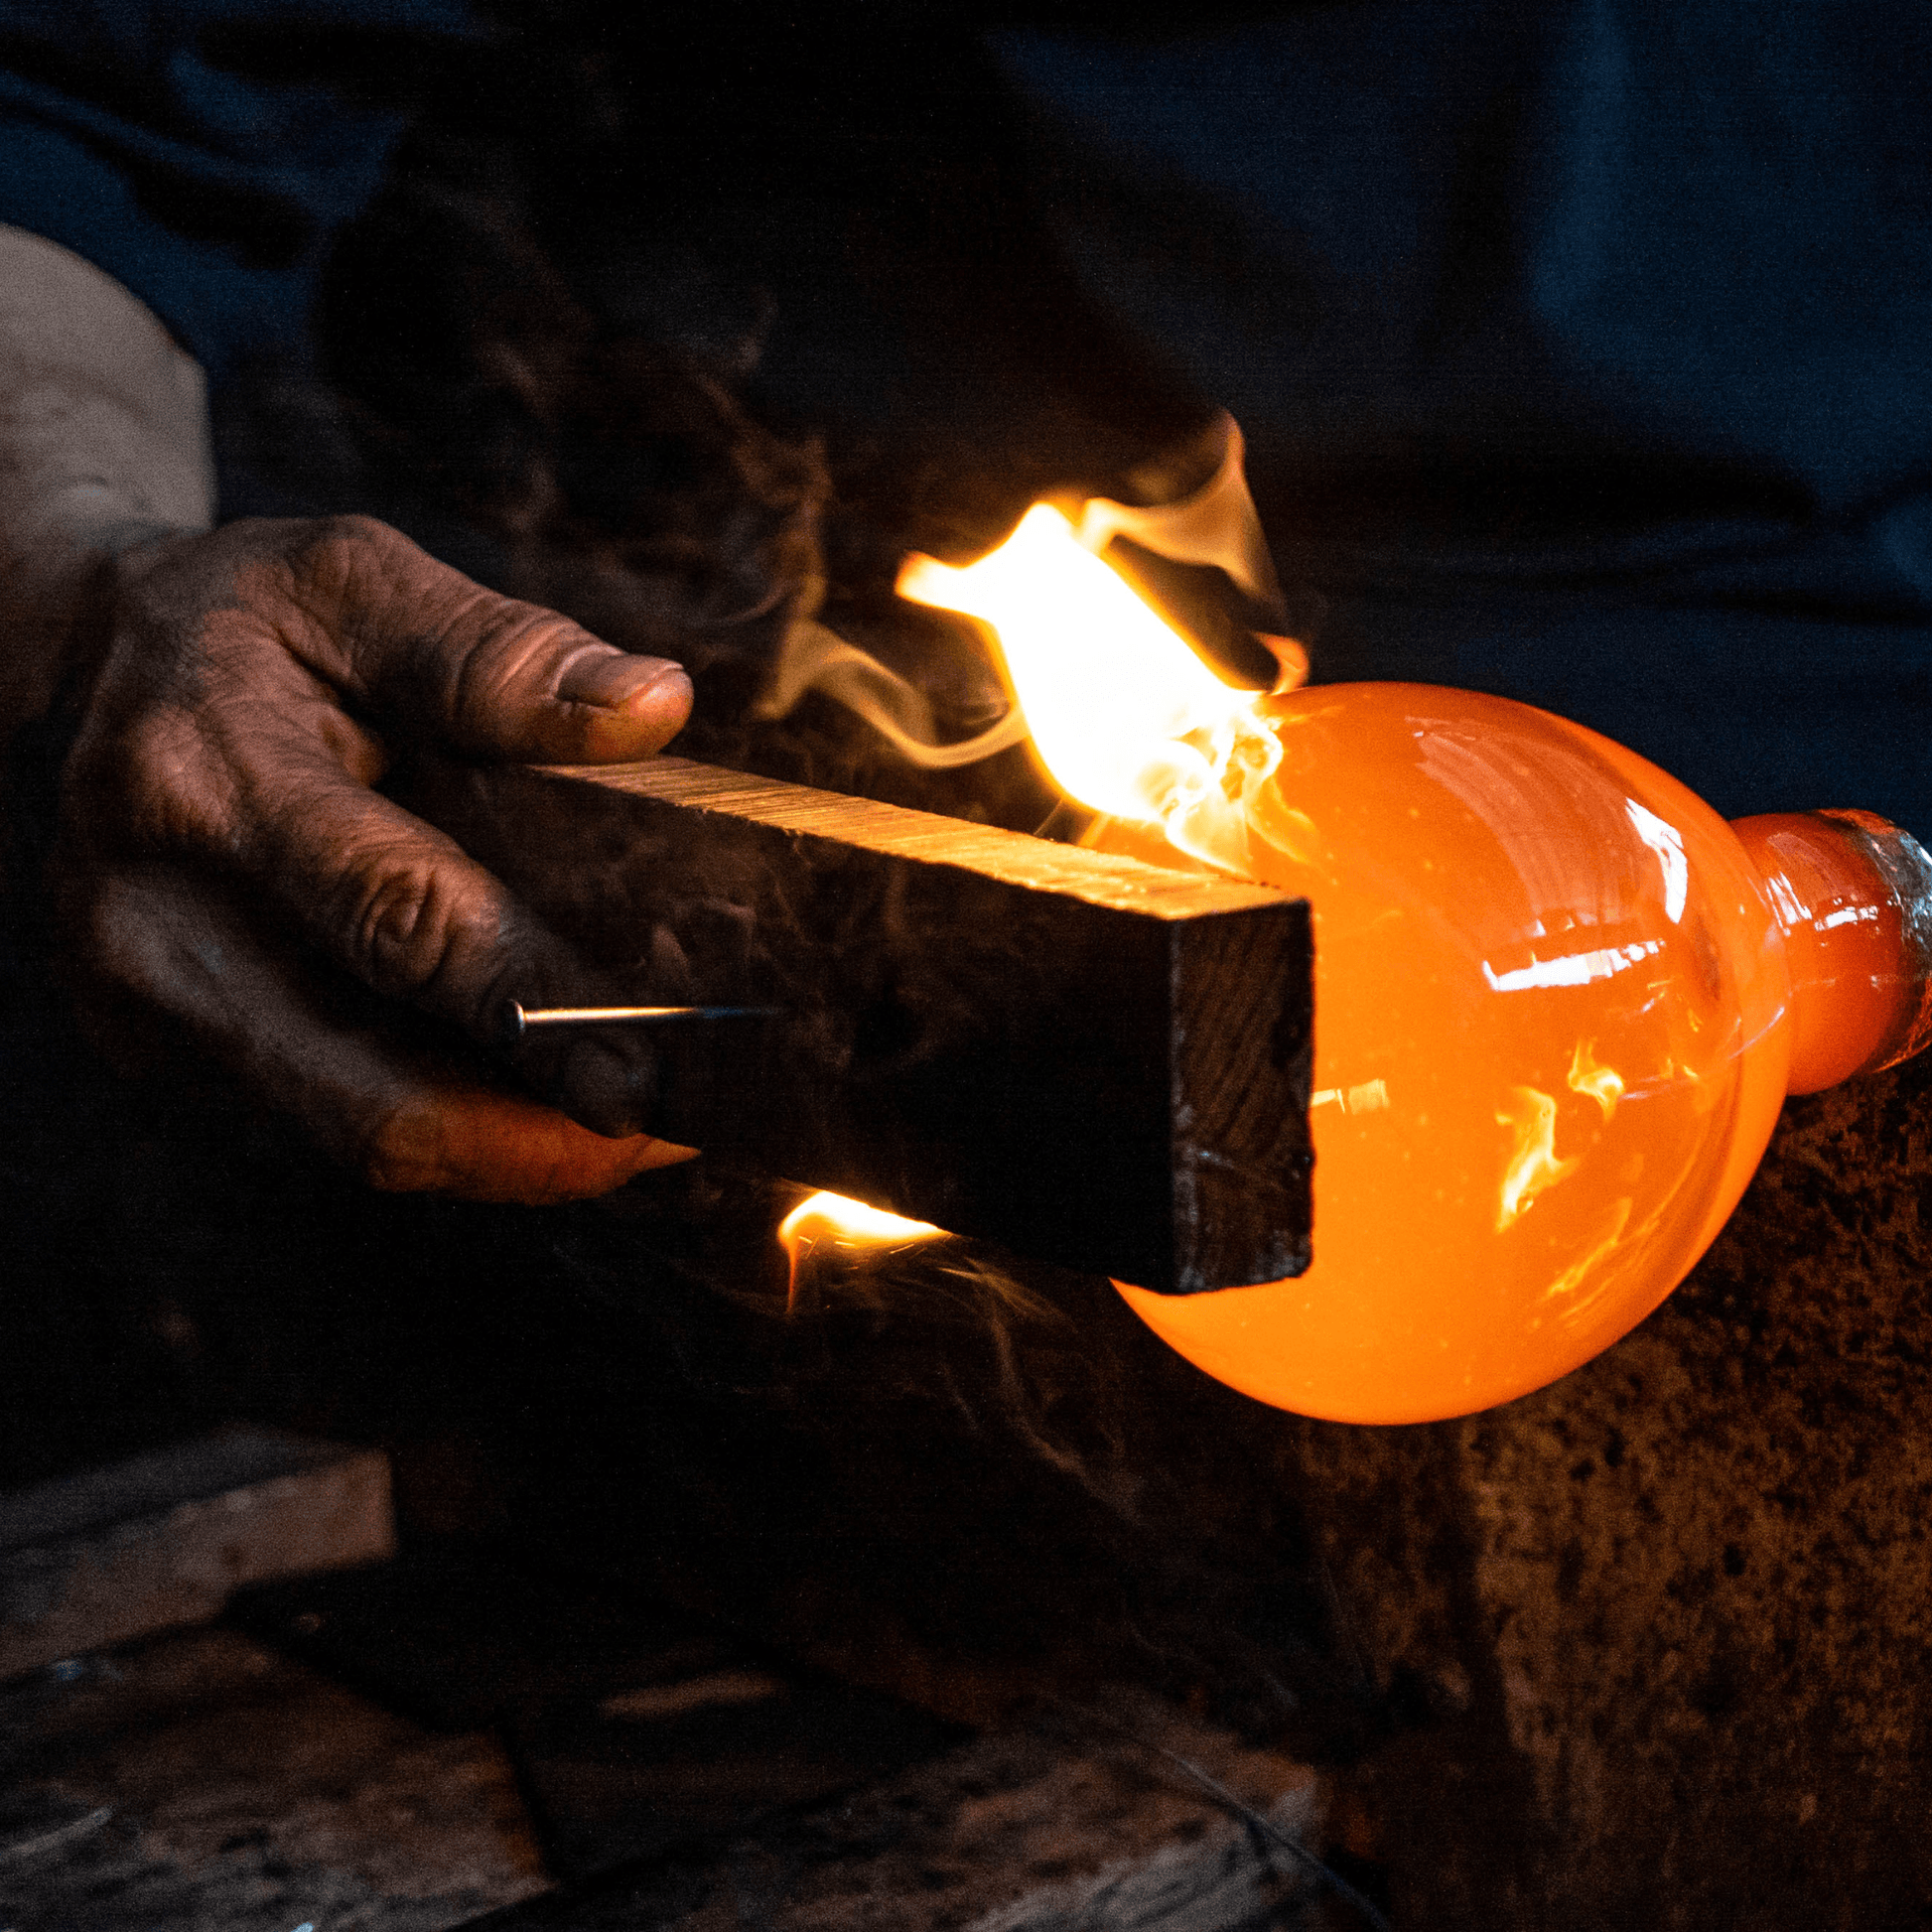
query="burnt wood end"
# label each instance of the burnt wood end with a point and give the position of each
(1082, 1058)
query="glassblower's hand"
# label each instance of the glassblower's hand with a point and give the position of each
(225, 867)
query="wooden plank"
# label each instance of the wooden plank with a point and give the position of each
(201, 1783)
(633, 1728)
(162, 1539)
(1042, 1829)
(1086, 1059)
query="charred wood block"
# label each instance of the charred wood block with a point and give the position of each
(162, 1539)
(1083, 1057)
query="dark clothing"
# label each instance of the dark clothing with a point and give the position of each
(1584, 350)
(135, 133)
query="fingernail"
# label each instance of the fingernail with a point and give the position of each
(614, 679)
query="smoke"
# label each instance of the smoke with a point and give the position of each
(945, 1470)
(947, 1454)
(1028, 1347)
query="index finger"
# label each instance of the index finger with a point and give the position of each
(404, 909)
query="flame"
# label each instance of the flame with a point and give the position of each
(1532, 1165)
(1127, 717)
(833, 1220)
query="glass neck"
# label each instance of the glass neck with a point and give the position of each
(1853, 897)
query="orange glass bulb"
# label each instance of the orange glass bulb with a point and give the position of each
(1559, 1002)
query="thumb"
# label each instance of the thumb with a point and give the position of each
(610, 705)
(489, 676)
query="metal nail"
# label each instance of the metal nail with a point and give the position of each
(521, 1018)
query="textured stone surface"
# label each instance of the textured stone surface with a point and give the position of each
(1663, 1629)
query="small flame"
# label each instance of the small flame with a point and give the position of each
(1128, 718)
(1532, 1165)
(824, 1219)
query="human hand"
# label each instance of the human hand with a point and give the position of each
(228, 873)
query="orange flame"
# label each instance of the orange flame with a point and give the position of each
(824, 1219)
(1483, 880)
(1604, 1084)
(1128, 719)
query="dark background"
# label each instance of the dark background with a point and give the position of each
(692, 336)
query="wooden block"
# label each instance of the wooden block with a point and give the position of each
(1088, 1059)
(162, 1539)
(634, 1730)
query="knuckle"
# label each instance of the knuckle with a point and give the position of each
(488, 675)
(146, 784)
(394, 926)
(354, 526)
(412, 927)
(157, 759)
(349, 568)
(121, 939)
(350, 530)
(108, 931)
(402, 1151)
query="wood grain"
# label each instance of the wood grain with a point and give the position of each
(108, 1554)
(1080, 1057)
(1058, 1826)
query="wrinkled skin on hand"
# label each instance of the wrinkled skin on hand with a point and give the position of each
(228, 877)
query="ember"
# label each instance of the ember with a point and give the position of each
(1575, 995)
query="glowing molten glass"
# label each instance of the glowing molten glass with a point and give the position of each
(1559, 1001)
(836, 1222)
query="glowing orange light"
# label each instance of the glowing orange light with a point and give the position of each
(1128, 718)
(1604, 1084)
(833, 1220)
(1532, 1165)
(1559, 1001)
